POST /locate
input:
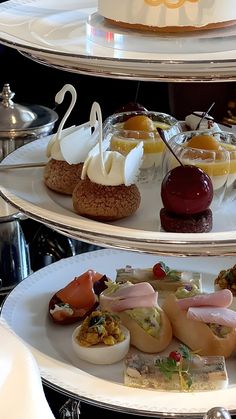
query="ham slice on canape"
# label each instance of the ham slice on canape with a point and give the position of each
(222, 298)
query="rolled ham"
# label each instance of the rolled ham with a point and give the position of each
(129, 296)
(222, 298)
(218, 315)
(134, 290)
(149, 300)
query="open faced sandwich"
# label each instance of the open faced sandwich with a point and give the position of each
(180, 370)
(162, 278)
(203, 322)
(137, 307)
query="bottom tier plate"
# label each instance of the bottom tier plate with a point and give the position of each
(26, 312)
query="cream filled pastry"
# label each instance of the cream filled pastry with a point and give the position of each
(68, 149)
(107, 190)
(169, 15)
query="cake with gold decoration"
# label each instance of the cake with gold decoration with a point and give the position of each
(169, 15)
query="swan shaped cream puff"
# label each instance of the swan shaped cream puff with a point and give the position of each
(68, 149)
(107, 190)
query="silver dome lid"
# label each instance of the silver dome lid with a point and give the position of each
(17, 120)
(12, 115)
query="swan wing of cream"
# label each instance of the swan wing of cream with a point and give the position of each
(53, 147)
(74, 144)
(113, 168)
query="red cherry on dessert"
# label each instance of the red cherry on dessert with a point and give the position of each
(186, 190)
(130, 107)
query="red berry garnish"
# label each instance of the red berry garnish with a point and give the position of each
(175, 355)
(159, 270)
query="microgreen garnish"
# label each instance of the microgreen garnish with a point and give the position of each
(185, 352)
(171, 273)
(96, 321)
(176, 363)
(167, 366)
(174, 275)
(164, 267)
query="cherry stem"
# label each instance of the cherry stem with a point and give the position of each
(204, 115)
(137, 92)
(161, 133)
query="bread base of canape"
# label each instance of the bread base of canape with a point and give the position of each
(195, 334)
(142, 340)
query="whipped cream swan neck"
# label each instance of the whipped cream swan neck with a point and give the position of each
(110, 168)
(74, 143)
(169, 13)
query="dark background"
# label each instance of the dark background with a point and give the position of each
(34, 83)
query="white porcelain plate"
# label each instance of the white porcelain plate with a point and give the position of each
(71, 35)
(26, 312)
(25, 189)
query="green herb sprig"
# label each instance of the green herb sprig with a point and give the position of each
(169, 366)
(172, 274)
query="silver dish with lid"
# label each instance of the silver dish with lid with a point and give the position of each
(21, 124)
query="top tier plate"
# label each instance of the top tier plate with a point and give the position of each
(70, 35)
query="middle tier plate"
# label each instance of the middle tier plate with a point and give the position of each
(25, 190)
(70, 35)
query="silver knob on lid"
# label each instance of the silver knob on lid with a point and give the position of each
(6, 96)
(217, 413)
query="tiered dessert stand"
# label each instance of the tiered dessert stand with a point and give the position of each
(71, 36)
